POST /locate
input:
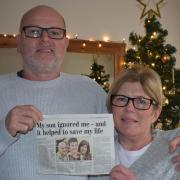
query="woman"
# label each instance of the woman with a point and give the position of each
(84, 150)
(135, 99)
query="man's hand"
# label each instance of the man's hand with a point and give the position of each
(174, 143)
(22, 119)
(121, 173)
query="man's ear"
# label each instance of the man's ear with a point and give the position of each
(18, 43)
(156, 114)
(67, 42)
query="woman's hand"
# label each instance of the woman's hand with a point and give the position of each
(174, 143)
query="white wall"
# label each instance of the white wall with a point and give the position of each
(95, 18)
(10, 60)
(74, 63)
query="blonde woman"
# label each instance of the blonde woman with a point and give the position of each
(135, 99)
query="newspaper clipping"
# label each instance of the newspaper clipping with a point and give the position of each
(76, 144)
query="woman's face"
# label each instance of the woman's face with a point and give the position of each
(129, 121)
(83, 149)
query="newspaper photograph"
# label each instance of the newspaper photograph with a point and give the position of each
(75, 144)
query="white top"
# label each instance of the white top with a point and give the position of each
(125, 157)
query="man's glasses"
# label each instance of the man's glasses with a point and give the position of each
(140, 103)
(36, 32)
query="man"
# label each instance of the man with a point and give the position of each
(40, 88)
(73, 149)
(62, 150)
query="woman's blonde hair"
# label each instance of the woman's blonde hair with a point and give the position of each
(147, 77)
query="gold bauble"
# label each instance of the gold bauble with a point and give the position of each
(165, 58)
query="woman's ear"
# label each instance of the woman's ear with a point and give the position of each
(156, 114)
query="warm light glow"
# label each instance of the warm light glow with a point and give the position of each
(157, 56)
(154, 33)
(5, 35)
(166, 101)
(68, 36)
(166, 57)
(164, 88)
(84, 44)
(91, 39)
(106, 38)
(14, 35)
(124, 39)
(75, 36)
(152, 64)
(99, 45)
(134, 48)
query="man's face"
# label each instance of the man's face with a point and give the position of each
(42, 54)
(62, 148)
(73, 147)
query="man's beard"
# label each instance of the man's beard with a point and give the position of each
(37, 67)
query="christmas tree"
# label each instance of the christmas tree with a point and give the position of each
(152, 51)
(98, 74)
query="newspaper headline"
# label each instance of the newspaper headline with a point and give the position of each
(75, 144)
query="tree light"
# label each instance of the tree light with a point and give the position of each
(164, 88)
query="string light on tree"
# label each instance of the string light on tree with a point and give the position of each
(164, 88)
(154, 35)
(152, 64)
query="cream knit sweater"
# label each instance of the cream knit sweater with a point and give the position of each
(68, 94)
